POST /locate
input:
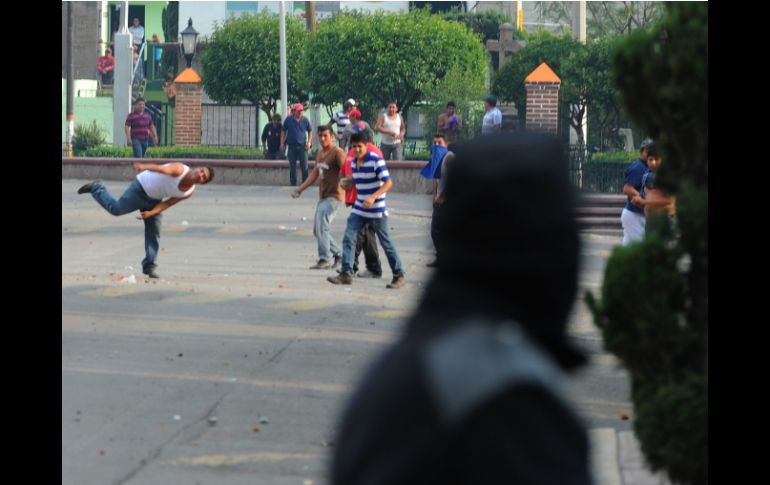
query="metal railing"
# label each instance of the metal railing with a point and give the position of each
(595, 176)
(229, 125)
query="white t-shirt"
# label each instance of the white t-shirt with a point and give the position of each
(492, 118)
(391, 125)
(137, 33)
(161, 186)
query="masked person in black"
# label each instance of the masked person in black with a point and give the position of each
(470, 393)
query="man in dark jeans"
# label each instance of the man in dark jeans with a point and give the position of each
(293, 137)
(366, 240)
(271, 139)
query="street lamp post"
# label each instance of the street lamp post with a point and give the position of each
(189, 41)
(187, 130)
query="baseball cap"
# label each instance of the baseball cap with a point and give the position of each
(355, 112)
(299, 107)
(351, 101)
(646, 143)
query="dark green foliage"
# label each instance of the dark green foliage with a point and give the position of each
(169, 60)
(242, 61)
(486, 24)
(87, 136)
(662, 66)
(673, 409)
(387, 57)
(654, 308)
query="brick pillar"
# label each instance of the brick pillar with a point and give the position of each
(542, 100)
(188, 108)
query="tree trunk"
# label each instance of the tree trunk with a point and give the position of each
(310, 16)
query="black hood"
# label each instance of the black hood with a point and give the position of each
(510, 241)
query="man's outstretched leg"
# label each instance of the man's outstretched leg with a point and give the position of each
(151, 244)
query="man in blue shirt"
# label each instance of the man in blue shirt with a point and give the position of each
(293, 137)
(632, 217)
(493, 119)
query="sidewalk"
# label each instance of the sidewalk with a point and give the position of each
(618, 460)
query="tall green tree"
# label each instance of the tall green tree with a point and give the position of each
(242, 60)
(653, 311)
(467, 95)
(387, 57)
(169, 61)
(587, 82)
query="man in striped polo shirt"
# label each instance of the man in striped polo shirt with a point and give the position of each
(372, 181)
(139, 127)
(342, 120)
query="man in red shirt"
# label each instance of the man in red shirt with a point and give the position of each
(139, 127)
(105, 66)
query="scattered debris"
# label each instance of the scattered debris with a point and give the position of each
(213, 420)
(177, 417)
(264, 420)
(185, 223)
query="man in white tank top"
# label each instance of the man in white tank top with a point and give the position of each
(156, 188)
(393, 130)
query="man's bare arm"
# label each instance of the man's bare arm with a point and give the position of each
(161, 207)
(171, 169)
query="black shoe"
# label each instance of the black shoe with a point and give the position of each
(321, 264)
(432, 264)
(369, 274)
(151, 274)
(337, 260)
(87, 188)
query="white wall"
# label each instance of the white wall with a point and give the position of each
(203, 15)
(374, 6)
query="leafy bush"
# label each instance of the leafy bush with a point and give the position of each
(87, 136)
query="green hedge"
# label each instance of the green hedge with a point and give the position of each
(619, 156)
(208, 152)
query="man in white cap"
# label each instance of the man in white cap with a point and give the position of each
(293, 137)
(342, 119)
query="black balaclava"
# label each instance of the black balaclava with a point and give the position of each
(510, 246)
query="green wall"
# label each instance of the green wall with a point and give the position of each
(86, 110)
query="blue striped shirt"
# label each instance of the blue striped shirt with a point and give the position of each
(369, 177)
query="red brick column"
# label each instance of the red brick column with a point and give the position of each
(542, 100)
(188, 108)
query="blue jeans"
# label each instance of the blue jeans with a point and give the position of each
(140, 147)
(324, 215)
(435, 232)
(355, 222)
(134, 198)
(294, 153)
(392, 152)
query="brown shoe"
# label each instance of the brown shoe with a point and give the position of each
(398, 282)
(341, 279)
